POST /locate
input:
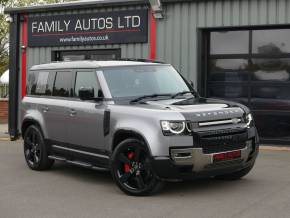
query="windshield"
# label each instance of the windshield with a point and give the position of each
(144, 80)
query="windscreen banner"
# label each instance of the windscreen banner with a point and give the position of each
(125, 26)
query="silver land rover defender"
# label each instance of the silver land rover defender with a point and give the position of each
(140, 120)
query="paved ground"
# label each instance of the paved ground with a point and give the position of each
(69, 191)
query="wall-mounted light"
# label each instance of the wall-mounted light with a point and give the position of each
(9, 19)
(156, 7)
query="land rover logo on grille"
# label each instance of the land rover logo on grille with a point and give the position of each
(216, 113)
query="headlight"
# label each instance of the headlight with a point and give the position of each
(173, 127)
(249, 120)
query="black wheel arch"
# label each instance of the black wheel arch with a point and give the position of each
(28, 122)
(123, 134)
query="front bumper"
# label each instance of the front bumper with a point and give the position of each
(191, 163)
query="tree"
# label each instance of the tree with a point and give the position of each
(3, 40)
(3, 2)
(4, 27)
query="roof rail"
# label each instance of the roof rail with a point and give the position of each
(140, 60)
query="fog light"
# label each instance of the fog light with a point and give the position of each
(182, 155)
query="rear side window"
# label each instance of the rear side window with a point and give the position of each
(50, 83)
(32, 82)
(40, 83)
(63, 84)
(86, 80)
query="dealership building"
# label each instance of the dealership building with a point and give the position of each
(231, 49)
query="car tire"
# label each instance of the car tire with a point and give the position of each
(35, 149)
(131, 169)
(235, 175)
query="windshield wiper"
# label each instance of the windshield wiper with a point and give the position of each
(148, 96)
(185, 92)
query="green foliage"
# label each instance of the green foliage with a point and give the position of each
(4, 2)
(3, 44)
(4, 27)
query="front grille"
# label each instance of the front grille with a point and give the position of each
(222, 141)
(208, 149)
(220, 122)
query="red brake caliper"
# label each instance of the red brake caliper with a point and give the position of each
(127, 167)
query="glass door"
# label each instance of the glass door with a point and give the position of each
(253, 67)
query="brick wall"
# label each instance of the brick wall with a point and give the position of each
(3, 110)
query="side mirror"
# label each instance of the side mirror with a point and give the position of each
(86, 94)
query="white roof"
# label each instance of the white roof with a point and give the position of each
(4, 79)
(88, 64)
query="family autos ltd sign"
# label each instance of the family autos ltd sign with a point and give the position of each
(89, 29)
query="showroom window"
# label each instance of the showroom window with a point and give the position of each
(79, 55)
(253, 67)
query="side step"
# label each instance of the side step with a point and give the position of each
(78, 163)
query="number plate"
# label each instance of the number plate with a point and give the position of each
(227, 156)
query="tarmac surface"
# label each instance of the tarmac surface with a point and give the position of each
(70, 191)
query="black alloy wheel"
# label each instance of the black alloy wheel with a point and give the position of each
(131, 169)
(35, 150)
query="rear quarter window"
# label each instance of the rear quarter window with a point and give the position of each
(40, 83)
(32, 82)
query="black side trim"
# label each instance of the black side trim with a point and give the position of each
(106, 123)
(79, 147)
(14, 77)
(79, 153)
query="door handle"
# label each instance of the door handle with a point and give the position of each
(45, 109)
(73, 112)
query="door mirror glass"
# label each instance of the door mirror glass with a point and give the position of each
(86, 93)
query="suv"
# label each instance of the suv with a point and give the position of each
(140, 120)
